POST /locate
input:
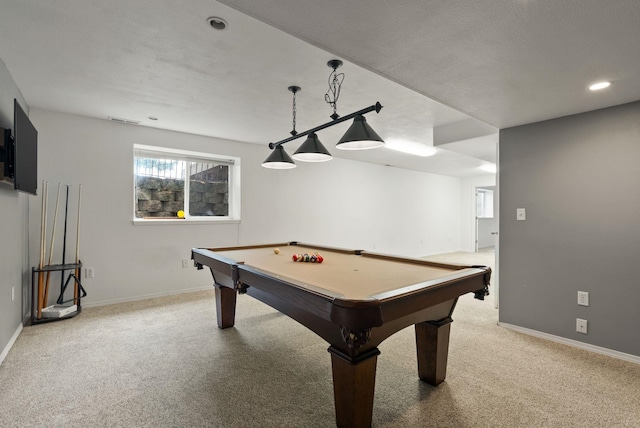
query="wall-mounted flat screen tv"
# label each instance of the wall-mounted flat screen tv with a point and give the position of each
(25, 135)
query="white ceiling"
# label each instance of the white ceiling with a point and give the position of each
(489, 64)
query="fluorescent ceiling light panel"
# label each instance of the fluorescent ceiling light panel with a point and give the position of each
(599, 85)
(410, 147)
(490, 167)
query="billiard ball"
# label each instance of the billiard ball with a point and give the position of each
(276, 250)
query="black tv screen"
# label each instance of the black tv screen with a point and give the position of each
(6, 155)
(25, 137)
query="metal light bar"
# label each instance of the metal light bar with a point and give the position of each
(377, 107)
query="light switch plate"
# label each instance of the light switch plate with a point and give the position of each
(521, 214)
(583, 298)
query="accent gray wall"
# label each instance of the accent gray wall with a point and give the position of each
(578, 178)
(14, 268)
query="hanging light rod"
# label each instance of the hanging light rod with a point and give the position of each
(377, 107)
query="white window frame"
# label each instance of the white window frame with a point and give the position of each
(484, 203)
(234, 215)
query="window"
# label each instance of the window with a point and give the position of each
(174, 184)
(484, 203)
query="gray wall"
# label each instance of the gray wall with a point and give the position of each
(14, 269)
(578, 178)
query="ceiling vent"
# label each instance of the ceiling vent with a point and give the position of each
(126, 121)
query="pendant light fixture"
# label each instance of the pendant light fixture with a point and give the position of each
(359, 136)
(279, 159)
(312, 150)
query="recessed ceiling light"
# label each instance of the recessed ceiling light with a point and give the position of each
(410, 147)
(217, 23)
(489, 167)
(599, 85)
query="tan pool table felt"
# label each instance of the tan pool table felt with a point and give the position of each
(355, 277)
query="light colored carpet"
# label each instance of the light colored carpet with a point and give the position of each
(164, 363)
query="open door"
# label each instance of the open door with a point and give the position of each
(486, 221)
(487, 226)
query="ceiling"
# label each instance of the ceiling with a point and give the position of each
(448, 74)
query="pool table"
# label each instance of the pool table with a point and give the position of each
(354, 300)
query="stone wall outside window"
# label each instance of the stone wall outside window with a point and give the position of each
(164, 197)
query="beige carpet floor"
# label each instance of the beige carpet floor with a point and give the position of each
(164, 363)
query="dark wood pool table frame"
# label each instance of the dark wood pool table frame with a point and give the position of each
(353, 328)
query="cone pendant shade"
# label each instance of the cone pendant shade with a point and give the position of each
(279, 159)
(312, 150)
(360, 136)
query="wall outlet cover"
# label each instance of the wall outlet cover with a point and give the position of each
(581, 325)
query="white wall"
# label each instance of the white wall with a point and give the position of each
(342, 203)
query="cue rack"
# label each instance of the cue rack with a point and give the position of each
(41, 275)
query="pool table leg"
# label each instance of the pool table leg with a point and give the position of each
(225, 306)
(432, 343)
(353, 387)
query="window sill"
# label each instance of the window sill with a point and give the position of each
(174, 220)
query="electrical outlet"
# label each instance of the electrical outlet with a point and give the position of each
(581, 325)
(583, 298)
(185, 263)
(88, 272)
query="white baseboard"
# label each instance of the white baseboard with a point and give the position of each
(143, 297)
(13, 339)
(575, 343)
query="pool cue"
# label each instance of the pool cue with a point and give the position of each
(76, 289)
(53, 235)
(43, 227)
(64, 242)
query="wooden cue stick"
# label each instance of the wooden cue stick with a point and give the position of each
(76, 289)
(64, 242)
(53, 235)
(42, 217)
(43, 230)
(44, 236)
